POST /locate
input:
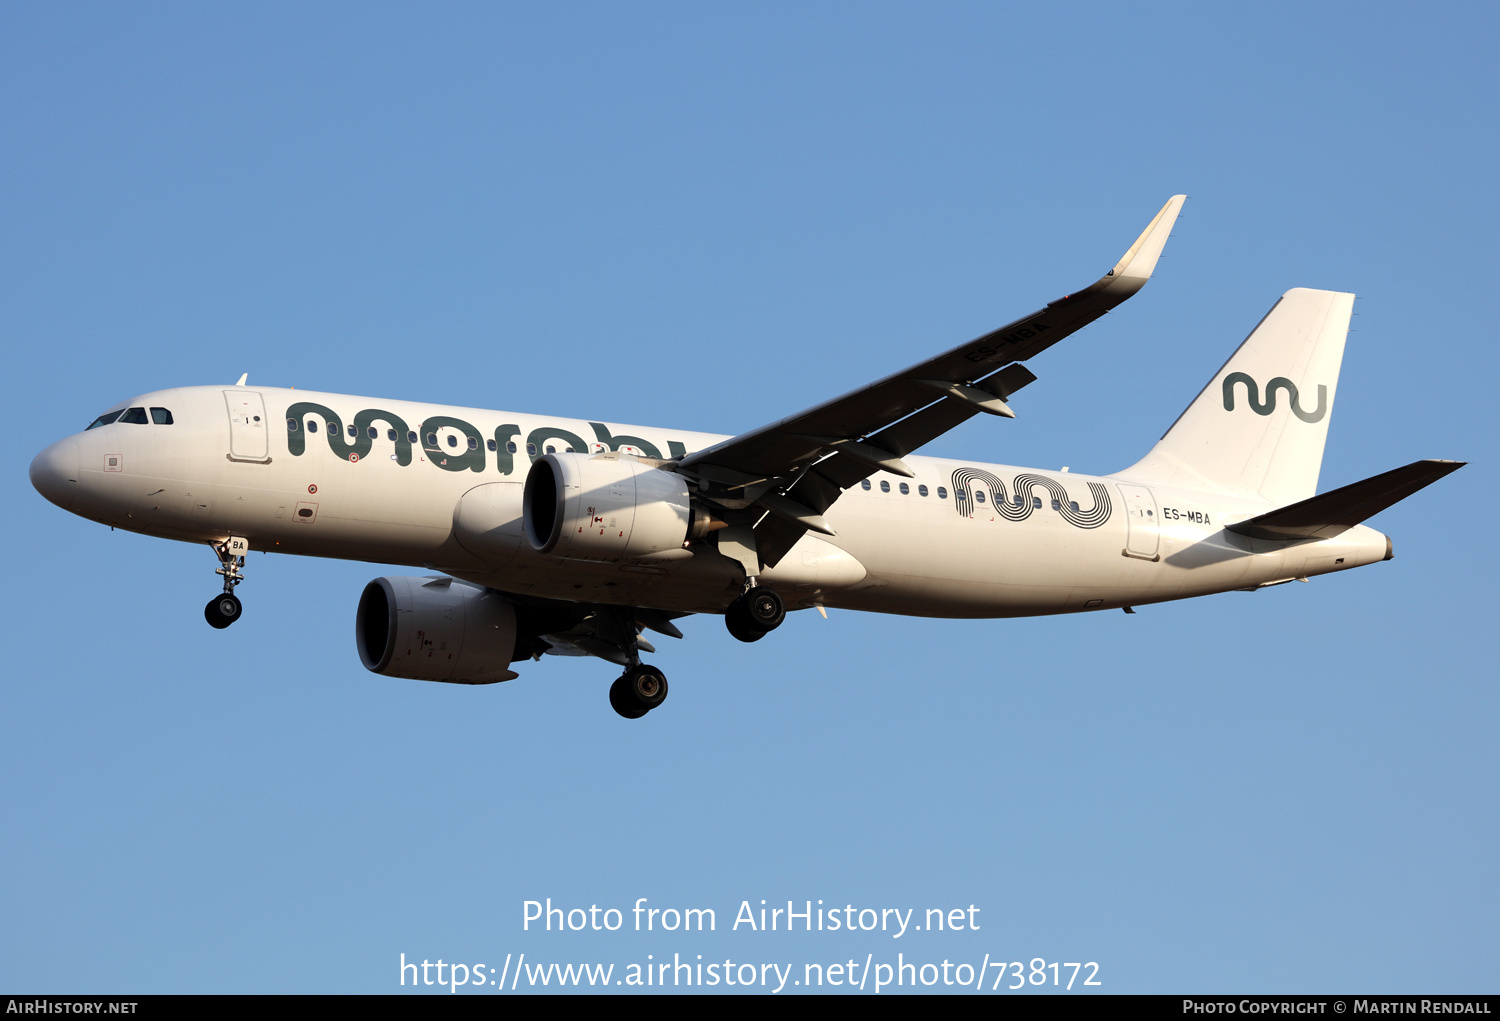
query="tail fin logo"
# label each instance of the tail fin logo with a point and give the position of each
(1252, 394)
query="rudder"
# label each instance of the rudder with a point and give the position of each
(1259, 425)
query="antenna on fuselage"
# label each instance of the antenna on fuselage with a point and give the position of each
(243, 376)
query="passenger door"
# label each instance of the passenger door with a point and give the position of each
(248, 435)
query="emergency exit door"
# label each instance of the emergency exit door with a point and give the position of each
(1143, 535)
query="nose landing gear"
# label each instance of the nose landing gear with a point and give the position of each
(224, 610)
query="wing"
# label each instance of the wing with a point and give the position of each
(783, 476)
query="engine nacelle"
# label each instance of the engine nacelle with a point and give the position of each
(604, 507)
(435, 629)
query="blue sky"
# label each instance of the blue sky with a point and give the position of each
(708, 217)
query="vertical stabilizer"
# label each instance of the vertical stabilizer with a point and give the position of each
(1259, 426)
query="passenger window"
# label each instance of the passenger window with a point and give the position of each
(489, 444)
(885, 487)
(353, 432)
(1057, 505)
(161, 416)
(390, 434)
(510, 448)
(432, 439)
(979, 495)
(411, 437)
(452, 440)
(905, 489)
(942, 493)
(1074, 505)
(958, 494)
(135, 416)
(374, 433)
(864, 483)
(333, 427)
(531, 449)
(921, 490)
(312, 425)
(551, 449)
(1036, 501)
(473, 443)
(105, 419)
(291, 425)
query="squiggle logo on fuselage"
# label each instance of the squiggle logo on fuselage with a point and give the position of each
(1252, 394)
(1018, 508)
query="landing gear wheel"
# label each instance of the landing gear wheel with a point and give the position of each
(754, 614)
(619, 697)
(647, 685)
(737, 620)
(638, 691)
(222, 611)
(765, 608)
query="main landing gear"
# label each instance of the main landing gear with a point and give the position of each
(756, 613)
(638, 691)
(224, 610)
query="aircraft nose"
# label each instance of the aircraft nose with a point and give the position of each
(54, 473)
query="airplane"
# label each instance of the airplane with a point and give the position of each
(562, 537)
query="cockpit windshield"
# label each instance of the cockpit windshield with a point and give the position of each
(106, 419)
(133, 416)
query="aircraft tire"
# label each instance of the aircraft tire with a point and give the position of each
(623, 702)
(222, 611)
(647, 686)
(737, 620)
(764, 608)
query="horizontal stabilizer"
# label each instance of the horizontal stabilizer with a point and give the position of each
(1326, 515)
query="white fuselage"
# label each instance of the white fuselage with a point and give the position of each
(972, 546)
